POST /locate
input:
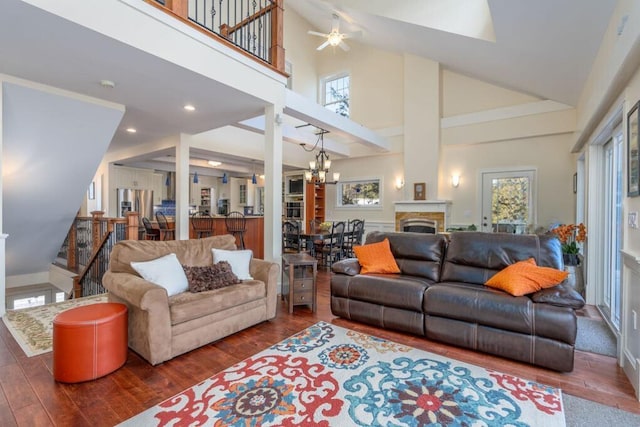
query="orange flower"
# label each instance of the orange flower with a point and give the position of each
(569, 235)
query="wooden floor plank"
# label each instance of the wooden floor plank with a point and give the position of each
(34, 398)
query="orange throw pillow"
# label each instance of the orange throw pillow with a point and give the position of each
(376, 258)
(525, 277)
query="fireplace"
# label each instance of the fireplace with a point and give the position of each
(437, 211)
(419, 225)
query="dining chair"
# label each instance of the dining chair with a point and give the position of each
(353, 236)
(236, 225)
(166, 233)
(202, 224)
(291, 237)
(332, 249)
(150, 233)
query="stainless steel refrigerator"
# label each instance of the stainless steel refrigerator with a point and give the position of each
(140, 201)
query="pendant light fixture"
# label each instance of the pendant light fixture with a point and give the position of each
(254, 179)
(225, 179)
(195, 178)
(319, 168)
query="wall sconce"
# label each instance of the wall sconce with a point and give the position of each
(399, 183)
(455, 180)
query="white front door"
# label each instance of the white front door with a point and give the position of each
(508, 201)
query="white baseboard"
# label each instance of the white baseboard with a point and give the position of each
(630, 367)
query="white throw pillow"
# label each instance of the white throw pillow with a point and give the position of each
(165, 271)
(239, 261)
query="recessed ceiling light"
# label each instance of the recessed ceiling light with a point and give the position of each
(214, 163)
(107, 83)
(131, 130)
(189, 107)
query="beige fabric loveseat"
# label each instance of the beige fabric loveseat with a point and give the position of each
(162, 327)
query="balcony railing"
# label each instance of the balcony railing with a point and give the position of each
(253, 26)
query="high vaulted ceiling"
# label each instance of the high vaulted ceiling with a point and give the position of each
(540, 47)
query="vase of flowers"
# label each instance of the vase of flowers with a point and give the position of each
(570, 235)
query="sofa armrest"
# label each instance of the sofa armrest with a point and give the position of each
(349, 266)
(149, 318)
(267, 272)
(561, 296)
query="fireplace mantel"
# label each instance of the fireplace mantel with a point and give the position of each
(438, 210)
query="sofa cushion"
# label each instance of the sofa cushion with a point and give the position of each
(211, 277)
(496, 309)
(239, 261)
(165, 271)
(376, 258)
(474, 257)
(417, 254)
(187, 306)
(401, 291)
(524, 277)
(194, 252)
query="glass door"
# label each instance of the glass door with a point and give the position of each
(508, 201)
(611, 280)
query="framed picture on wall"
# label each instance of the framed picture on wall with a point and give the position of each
(633, 152)
(419, 191)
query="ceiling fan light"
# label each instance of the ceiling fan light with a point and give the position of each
(334, 39)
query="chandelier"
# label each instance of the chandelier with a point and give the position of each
(319, 168)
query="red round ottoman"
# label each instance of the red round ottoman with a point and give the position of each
(89, 342)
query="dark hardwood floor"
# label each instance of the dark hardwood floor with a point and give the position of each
(30, 397)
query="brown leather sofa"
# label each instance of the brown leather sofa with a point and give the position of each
(440, 294)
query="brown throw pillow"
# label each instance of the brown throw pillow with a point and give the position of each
(211, 277)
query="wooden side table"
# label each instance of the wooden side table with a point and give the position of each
(301, 284)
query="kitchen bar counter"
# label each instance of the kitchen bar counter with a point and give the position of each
(253, 237)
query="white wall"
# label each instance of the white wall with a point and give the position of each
(376, 83)
(614, 80)
(386, 167)
(300, 51)
(549, 155)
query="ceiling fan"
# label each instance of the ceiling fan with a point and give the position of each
(335, 37)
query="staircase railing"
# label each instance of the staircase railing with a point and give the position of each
(91, 259)
(254, 26)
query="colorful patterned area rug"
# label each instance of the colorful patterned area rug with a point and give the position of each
(330, 376)
(32, 327)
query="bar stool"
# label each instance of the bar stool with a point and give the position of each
(202, 224)
(166, 233)
(236, 225)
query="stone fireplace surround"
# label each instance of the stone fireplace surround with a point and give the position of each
(437, 210)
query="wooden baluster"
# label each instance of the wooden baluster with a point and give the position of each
(72, 259)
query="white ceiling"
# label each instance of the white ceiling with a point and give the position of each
(543, 47)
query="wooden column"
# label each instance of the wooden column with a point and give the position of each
(277, 35)
(179, 7)
(133, 226)
(96, 229)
